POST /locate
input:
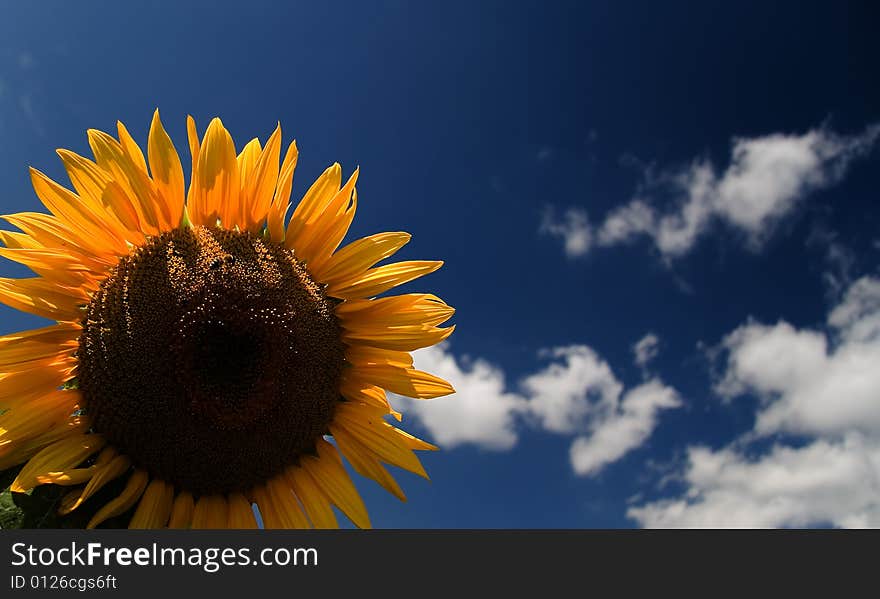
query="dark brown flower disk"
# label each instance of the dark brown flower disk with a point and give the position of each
(211, 358)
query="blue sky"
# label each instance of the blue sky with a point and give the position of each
(592, 173)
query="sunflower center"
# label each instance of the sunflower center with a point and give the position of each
(211, 358)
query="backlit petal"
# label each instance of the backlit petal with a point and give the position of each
(166, 169)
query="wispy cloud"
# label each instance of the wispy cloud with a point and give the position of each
(646, 349)
(839, 260)
(25, 102)
(26, 60)
(573, 228)
(764, 181)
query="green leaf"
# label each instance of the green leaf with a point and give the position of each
(11, 516)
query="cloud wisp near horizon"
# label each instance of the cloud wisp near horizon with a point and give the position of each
(765, 180)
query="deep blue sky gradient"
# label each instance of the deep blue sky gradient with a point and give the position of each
(446, 107)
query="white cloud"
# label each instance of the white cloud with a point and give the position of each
(768, 174)
(566, 393)
(822, 384)
(646, 349)
(575, 394)
(626, 427)
(826, 482)
(573, 228)
(763, 182)
(810, 384)
(857, 318)
(625, 222)
(579, 393)
(480, 412)
(839, 260)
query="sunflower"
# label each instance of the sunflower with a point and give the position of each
(209, 354)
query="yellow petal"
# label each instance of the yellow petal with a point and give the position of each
(36, 417)
(155, 507)
(211, 512)
(395, 311)
(413, 442)
(58, 275)
(193, 137)
(281, 199)
(76, 476)
(69, 270)
(68, 477)
(405, 381)
(286, 504)
(78, 215)
(105, 473)
(247, 162)
(332, 479)
(315, 503)
(106, 196)
(405, 338)
(25, 382)
(37, 344)
(321, 235)
(261, 185)
(130, 147)
(63, 265)
(25, 448)
(279, 507)
(313, 203)
(365, 464)
(357, 390)
(19, 241)
(133, 490)
(88, 179)
(376, 280)
(62, 455)
(110, 156)
(241, 514)
(46, 263)
(64, 360)
(375, 435)
(215, 195)
(182, 511)
(355, 258)
(39, 296)
(106, 456)
(362, 355)
(49, 232)
(167, 170)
